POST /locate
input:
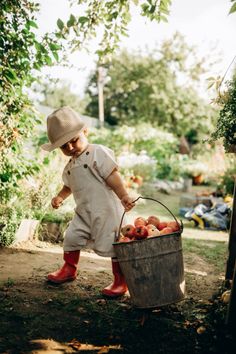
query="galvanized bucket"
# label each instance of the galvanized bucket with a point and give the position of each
(153, 267)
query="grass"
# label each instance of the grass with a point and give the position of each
(213, 252)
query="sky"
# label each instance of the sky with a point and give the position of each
(204, 24)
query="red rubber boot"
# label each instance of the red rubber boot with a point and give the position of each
(118, 287)
(69, 270)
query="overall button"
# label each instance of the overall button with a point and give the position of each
(87, 152)
(85, 165)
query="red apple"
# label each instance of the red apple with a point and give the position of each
(167, 230)
(154, 220)
(140, 232)
(128, 231)
(174, 225)
(162, 225)
(140, 221)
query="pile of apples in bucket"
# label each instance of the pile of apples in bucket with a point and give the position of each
(144, 228)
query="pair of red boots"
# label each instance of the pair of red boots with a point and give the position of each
(69, 272)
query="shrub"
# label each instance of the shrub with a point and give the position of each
(227, 181)
(140, 146)
(10, 219)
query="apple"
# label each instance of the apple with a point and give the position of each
(154, 220)
(167, 230)
(140, 221)
(150, 226)
(152, 230)
(140, 232)
(174, 225)
(162, 225)
(128, 231)
(124, 239)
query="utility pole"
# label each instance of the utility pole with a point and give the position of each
(101, 76)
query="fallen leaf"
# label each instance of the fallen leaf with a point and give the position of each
(47, 301)
(101, 302)
(201, 329)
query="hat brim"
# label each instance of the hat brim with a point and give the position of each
(63, 140)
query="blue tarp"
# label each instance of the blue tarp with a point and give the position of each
(216, 217)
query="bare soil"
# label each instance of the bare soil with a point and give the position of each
(38, 317)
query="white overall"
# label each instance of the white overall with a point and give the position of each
(98, 210)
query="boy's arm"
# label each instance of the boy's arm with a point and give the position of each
(64, 193)
(115, 182)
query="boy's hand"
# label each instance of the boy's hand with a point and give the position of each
(127, 202)
(56, 202)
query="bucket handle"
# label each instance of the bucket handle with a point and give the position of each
(140, 197)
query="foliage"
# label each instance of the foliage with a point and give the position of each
(135, 150)
(106, 19)
(226, 122)
(21, 55)
(144, 88)
(233, 7)
(227, 180)
(32, 200)
(10, 218)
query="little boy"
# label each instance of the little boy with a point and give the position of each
(92, 176)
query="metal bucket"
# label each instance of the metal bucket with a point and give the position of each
(153, 267)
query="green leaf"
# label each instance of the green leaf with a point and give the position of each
(83, 19)
(48, 60)
(72, 21)
(37, 66)
(233, 8)
(56, 56)
(54, 46)
(31, 23)
(46, 161)
(60, 24)
(10, 75)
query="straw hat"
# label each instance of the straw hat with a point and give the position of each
(62, 126)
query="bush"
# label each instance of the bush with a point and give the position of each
(32, 200)
(147, 150)
(10, 219)
(227, 181)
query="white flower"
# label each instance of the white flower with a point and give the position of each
(129, 160)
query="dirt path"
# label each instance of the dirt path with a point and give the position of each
(33, 260)
(37, 317)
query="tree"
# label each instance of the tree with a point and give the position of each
(145, 88)
(107, 21)
(22, 54)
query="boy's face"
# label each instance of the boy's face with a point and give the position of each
(77, 145)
